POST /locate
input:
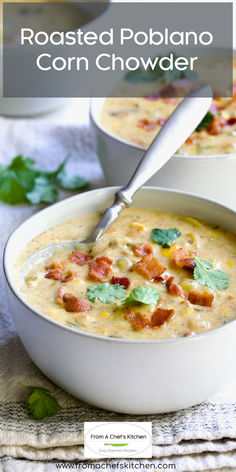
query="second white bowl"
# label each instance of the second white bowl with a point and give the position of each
(208, 176)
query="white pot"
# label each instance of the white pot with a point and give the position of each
(209, 176)
(127, 376)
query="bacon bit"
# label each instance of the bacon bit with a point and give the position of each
(202, 299)
(183, 260)
(231, 121)
(215, 127)
(69, 276)
(189, 140)
(160, 317)
(136, 320)
(100, 268)
(79, 258)
(149, 267)
(188, 333)
(55, 274)
(147, 125)
(121, 281)
(142, 249)
(55, 265)
(174, 288)
(74, 304)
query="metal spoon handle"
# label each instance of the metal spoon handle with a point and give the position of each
(182, 122)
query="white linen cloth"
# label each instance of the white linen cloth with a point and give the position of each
(198, 439)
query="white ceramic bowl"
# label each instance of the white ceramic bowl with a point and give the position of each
(127, 376)
(209, 176)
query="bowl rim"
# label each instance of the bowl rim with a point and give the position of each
(94, 101)
(97, 337)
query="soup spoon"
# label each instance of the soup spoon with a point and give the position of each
(179, 126)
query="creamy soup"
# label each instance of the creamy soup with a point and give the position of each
(138, 120)
(153, 275)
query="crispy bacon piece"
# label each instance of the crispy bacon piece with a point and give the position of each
(136, 320)
(149, 267)
(173, 288)
(74, 304)
(100, 268)
(69, 276)
(54, 270)
(55, 274)
(121, 281)
(202, 299)
(55, 265)
(183, 260)
(142, 249)
(160, 317)
(147, 125)
(215, 127)
(231, 121)
(79, 258)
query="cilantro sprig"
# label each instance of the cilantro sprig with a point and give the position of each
(22, 181)
(165, 237)
(143, 294)
(41, 402)
(158, 74)
(106, 293)
(205, 275)
(206, 121)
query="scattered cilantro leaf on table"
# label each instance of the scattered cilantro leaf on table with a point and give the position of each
(205, 275)
(22, 182)
(41, 403)
(206, 121)
(144, 294)
(43, 191)
(105, 292)
(165, 237)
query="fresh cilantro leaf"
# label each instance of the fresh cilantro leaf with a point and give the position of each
(43, 191)
(16, 179)
(206, 121)
(165, 237)
(21, 181)
(152, 75)
(71, 182)
(145, 295)
(106, 293)
(41, 403)
(205, 275)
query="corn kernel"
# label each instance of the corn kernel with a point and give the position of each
(214, 234)
(226, 313)
(168, 252)
(193, 148)
(105, 314)
(229, 263)
(137, 225)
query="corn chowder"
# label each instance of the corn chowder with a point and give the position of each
(138, 120)
(153, 275)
